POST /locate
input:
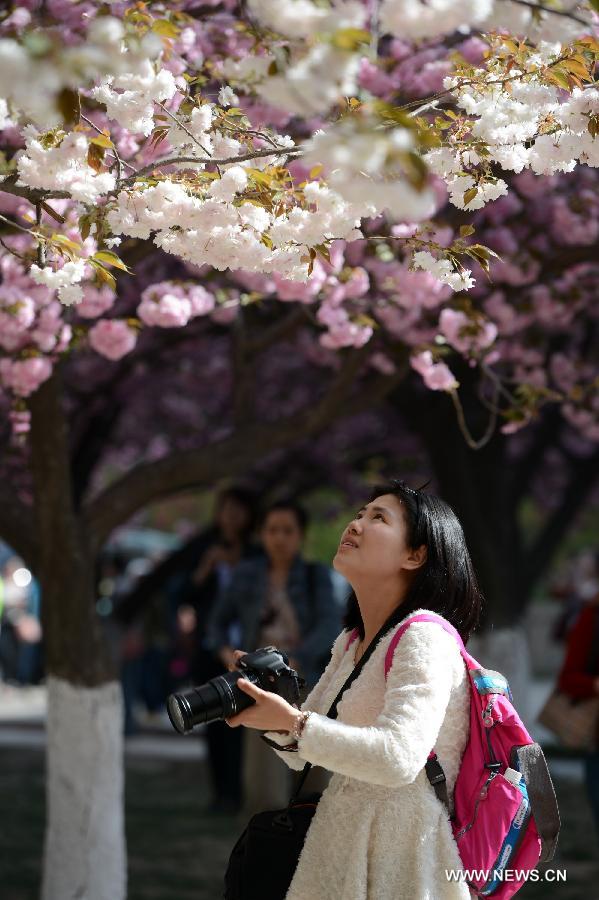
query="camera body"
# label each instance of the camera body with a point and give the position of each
(220, 698)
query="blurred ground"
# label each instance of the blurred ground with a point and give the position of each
(178, 852)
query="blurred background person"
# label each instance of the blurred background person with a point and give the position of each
(284, 601)
(192, 595)
(577, 584)
(579, 678)
(20, 626)
(163, 615)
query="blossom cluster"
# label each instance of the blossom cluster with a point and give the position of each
(63, 168)
(183, 140)
(212, 230)
(130, 98)
(33, 74)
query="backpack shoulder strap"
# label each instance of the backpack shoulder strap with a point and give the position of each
(434, 770)
(421, 617)
(353, 635)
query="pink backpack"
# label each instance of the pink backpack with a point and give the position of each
(505, 817)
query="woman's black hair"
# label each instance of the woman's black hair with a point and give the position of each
(291, 506)
(446, 582)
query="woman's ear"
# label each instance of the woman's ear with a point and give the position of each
(416, 557)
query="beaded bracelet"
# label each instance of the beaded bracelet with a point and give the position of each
(299, 725)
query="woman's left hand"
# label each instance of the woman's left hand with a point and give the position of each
(269, 712)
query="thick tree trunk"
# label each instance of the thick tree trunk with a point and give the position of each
(476, 484)
(84, 854)
(85, 845)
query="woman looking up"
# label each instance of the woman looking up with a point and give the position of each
(379, 831)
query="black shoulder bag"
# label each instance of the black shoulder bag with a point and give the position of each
(264, 859)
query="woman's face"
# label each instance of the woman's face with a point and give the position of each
(375, 542)
(281, 536)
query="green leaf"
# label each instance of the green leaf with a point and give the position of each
(110, 259)
(388, 111)
(469, 195)
(350, 38)
(104, 275)
(165, 29)
(365, 320)
(482, 251)
(559, 78)
(260, 177)
(102, 140)
(65, 242)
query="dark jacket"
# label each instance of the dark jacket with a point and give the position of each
(317, 612)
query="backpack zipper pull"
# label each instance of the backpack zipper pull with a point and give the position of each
(487, 716)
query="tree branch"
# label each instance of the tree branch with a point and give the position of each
(281, 330)
(203, 160)
(539, 7)
(244, 375)
(233, 455)
(9, 186)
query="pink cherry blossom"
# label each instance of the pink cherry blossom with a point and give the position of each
(374, 79)
(165, 305)
(436, 376)
(464, 333)
(24, 376)
(202, 301)
(96, 301)
(304, 292)
(112, 338)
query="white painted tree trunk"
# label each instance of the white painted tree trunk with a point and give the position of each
(506, 650)
(85, 854)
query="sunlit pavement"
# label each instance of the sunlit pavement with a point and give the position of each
(23, 717)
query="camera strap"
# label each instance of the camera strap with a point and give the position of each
(393, 620)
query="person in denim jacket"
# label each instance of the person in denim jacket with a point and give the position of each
(281, 600)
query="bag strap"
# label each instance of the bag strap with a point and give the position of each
(433, 767)
(332, 713)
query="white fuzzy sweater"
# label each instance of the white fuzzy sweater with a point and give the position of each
(379, 832)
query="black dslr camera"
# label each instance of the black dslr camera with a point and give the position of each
(220, 698)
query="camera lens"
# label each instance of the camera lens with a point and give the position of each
(175, 705)
(219, 698)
